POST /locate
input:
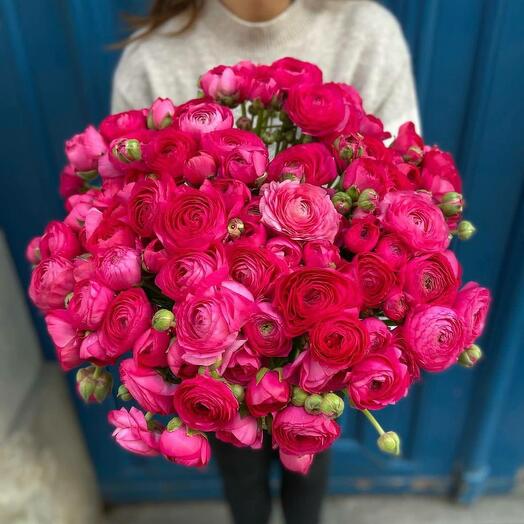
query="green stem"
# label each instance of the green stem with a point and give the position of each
(373, 420)
(97, 372)
(243, 108)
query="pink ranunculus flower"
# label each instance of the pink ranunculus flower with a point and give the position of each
(267, 394)
(91, 350)
(191, 270)
(288, 71)
(119, 267)
(204, 403)
(150, 348)
(65, 337)
(241, 431)
(51, 281)
(362, 235)
(297, 432)
(286, 249)
(127, 317)
(379, 379)
(208, 323)
(226, 83)
(89, 303)
(396, 305)
(32, 251)
(299, 211)
(472, 306)
(198, 168)
(77, 207)
(131, 432)
(247, 164)
(439, 173)
(185, 447)
(314, 376)
(154, 256)
(240, 364)
(435, 335)
(59, 240)
(200, 116)
(160, 113)
(177, 365)
(147, 387)
(392, 250)
(379, 333)
(70, 182)
(265, 332)
(408, 143)
(368, 173)
(84, 150)
(312, 163)
(415, 219)
(321, 253)
(122, 124)
(297, 463)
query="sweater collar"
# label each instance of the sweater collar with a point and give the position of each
(284, 28)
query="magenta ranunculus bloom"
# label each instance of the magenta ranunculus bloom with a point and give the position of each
(119, 267)
(51, 281)
(472, 306)
(297, 463)
(65, 337)
(242, 431)
(267, 394)
(131, 432)
(185, 447)
(89, 303)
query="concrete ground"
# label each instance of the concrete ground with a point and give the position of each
(343, 510)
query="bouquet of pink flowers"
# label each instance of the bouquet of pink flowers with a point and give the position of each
(252, 260)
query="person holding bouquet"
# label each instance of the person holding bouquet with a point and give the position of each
(353, 41)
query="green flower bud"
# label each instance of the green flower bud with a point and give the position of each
(342, 202)
(313, 403)
(465, 230)
(346, 153)
(353, 192)
(86, 388)
(123, 394)
(368, 200)
(238, 391)
(470, 356)
(163, 319)
(127, 150)
(451, 204)
(88, 176)
(104, 384)
(174, 423)
(299, 396)
(389, 442)
(235, 227)
(332, 405)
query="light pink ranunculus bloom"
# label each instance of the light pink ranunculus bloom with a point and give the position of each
(297, 463)
(65, 337)
(161, 113)
(131, 432)
(299, 211)
(199, 116)
(241, 432)
(147, 387)
(119, 267)
(84, 150)
(185, 447)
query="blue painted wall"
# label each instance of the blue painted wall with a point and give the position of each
(461, 430)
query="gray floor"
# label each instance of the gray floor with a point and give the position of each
(343, 510)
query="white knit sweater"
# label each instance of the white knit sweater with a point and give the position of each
(353, 41)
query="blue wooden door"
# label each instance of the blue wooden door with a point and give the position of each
(460, 430)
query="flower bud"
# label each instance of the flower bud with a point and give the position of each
(160, 114)
(127, 150)
(342, 202)
(465, 230)
(94, 383)
(313, 403)
(104, 384)
(389, 442)
(332, 405)
(173, 424)
(353, 192)
(299, 396)
(163, 319)
(123, 394)
(470, 356)
(238, 391)
(244, 123)
(368, 200)
(451, 204)
(86, 388)
(235, 228)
